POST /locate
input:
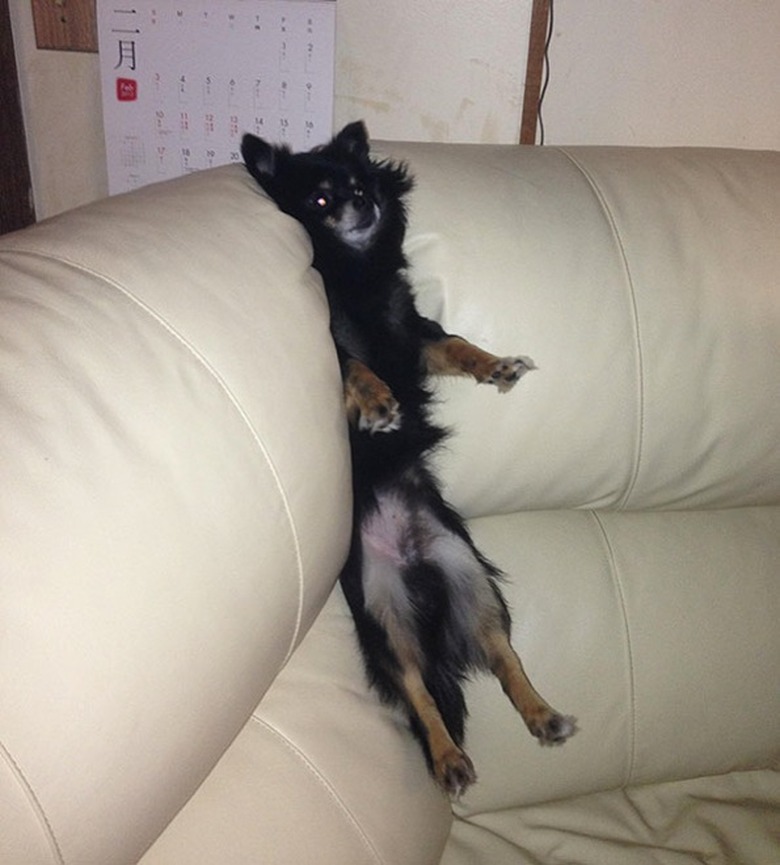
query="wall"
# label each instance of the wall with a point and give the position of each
(623, 72)
(446, 70)
(665, 72)
(62, 115)
(439, 70)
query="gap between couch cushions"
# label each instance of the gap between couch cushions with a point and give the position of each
(614, 573)
(224, 388)
(638, 353)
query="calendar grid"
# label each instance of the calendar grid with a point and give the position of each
(183, 80)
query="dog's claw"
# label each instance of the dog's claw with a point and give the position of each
(384, 418)
(455, 773)
(370, 403)
(555, 729)
(508, 371)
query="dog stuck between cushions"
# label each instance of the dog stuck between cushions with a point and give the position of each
(427, 604)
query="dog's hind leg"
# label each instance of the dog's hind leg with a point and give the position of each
(450, 764)
(483, 619)
(549, 726)
(388, 549)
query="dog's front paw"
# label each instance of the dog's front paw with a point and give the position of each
(370, 403)
(507, 372)
(380, 416)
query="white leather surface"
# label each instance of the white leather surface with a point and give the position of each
(644, 284)
(175, 510)
(658, 631)
(729, 820)
(168, 532)
(322, 773)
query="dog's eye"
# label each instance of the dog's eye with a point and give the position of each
(359, 192)
(319, 201)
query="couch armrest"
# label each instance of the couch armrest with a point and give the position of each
(175, 501)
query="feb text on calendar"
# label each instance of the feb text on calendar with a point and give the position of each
(183, 80)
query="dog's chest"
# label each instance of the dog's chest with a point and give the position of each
(379, 330)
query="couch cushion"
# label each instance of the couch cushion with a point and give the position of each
(642, 625)
(658, 631)
(644, 284)
(726, 819)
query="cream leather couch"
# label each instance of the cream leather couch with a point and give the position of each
(179, 682)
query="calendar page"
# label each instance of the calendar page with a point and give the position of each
(183, 80)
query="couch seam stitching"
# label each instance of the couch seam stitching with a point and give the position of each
(223, 386)
(614, 573)
(324, 783)
(640, 432)
(37, 807)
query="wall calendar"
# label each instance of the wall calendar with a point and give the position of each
(183, 80)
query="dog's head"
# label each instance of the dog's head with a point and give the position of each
(339, 194)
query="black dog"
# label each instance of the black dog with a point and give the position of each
(426, 602)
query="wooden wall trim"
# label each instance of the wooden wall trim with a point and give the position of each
(67, 25)
(537, 41)
(16, 206)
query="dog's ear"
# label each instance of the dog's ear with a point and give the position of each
(354, 139)
(259, 156)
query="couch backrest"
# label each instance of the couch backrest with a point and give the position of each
(645, 284)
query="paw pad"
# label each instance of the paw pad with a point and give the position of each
(508, 371)
(381, 417)
(555, 729)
